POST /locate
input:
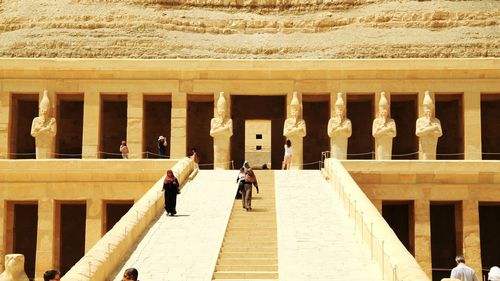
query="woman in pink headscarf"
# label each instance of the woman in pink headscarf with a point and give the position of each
(170, 189)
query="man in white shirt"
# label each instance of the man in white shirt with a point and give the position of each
(463, 272)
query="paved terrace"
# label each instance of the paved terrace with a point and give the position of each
(315, 236)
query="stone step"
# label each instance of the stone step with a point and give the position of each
(244, 267)
(249, 260)
(241, 254)
(249, 249)
(245, 275)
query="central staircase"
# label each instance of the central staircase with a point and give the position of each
(250, 249)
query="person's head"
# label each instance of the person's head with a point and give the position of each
(51, 275)
(242, 170)
(459, 259)
(428, 105)
(288, 143)
(124, 142)
(160, 138)
(43, 109)
(170, 173)
(221, 106)
(193, 150)
(130, 274)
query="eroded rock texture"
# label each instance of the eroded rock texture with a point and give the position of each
(249, 28)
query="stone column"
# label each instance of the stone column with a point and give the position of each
(423, 235)
(178, 141)
(378, 204)
(93, 223)
(471, 239)
(3, 222)
(4, 126)
(91, 124)
(134, 125)
(472, 125)
(45, 250)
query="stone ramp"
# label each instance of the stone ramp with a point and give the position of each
(250, 250)
(186, 247)
(316, 238)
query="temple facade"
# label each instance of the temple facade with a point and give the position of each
(97, 104)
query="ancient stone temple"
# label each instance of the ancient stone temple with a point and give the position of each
(391, 109)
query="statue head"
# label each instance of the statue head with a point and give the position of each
(295, 106)
(14, 266)
(339, 105)
(44, 106)
(221, 106)
(428, 105)
(383, 106)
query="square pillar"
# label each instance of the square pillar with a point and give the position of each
(178, 121)
(93, 223)
(3, 240)
(4, 125)
(45, 248)
(472, 125)
(423, 235)
(135, 125)
(91, 124)
(471, 238)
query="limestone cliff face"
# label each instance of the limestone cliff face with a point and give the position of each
(249, 28)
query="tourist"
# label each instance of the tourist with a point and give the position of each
(463, 272)
(130, 274)
(124, 150)
(162, 147)
(196, 158)
(170, 189)
(287, 159)
(240, 180)
(494, 274)
(51, 275)
(250, 179)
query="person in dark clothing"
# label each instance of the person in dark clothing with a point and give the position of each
(130, 274)
(170, 189)
(162, 147)
(250, 179)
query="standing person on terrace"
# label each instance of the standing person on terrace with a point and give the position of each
(463, 272)
(170, 189)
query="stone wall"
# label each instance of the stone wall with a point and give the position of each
(249, 29)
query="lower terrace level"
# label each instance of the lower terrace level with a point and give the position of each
(99, 103)
(436, 208)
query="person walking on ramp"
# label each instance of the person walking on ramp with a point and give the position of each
(170, 189)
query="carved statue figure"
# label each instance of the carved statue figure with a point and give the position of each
(14, 268)
(44, 129)
(339, 130)
(221, 129)
(383, 130)
(294, 126)
(428, 130)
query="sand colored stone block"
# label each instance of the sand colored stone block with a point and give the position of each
(423, 235)
(45, 237)
(472, 125)
(93, 225)
(471, 239)
(91, 115)
(3, 221)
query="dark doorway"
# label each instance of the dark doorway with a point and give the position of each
(72, 234)
(114, 212)
(399, 216)
(113, 125)
(444, 248)
(199, 113)
(449, 112)
(258, 107)
(24, 109)
(490, 134)
(404, 112)
(489, 229)
(360, 111)
(157, 122)
(316, 110)
(25, 235)
(69, 126)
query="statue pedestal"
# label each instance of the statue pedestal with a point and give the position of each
(221, 153)
(297, 153)
(338, 148)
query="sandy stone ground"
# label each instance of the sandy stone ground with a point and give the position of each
(274, 29)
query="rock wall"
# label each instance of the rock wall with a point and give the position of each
(249, 29)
